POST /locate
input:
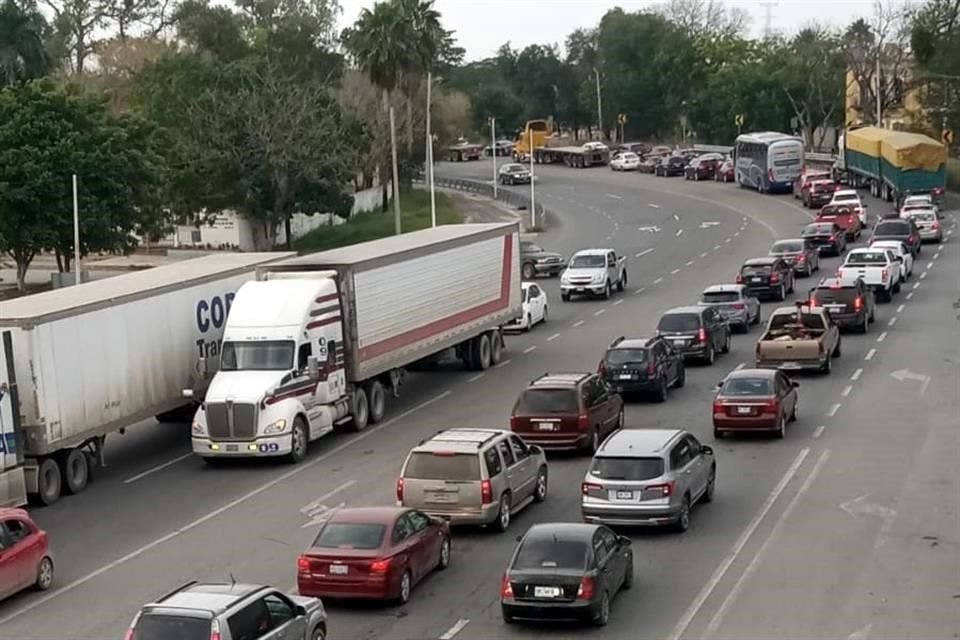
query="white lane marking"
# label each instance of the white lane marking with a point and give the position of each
(916, 285)
(856, 375)
(640, 290)
(599, 312)
(736, 233)
(675, 272)
(653, 206)
(159, 467)
(614, 196)
(689, 262)
(909, 295)
(861, 633)
(936, 255)
(950, 232)
(922, 276)
(553, 337)
(267, 486)
(716, 247)
(676, 217)
(833, 410)
(870, 354)
(847, 390)
(717, 619)
(502, 364)
(644, 252)
(882, 337)
(929, 265)
(740, 366)
(737, 549)
(609, 238)
(892, 321)
(703, 255)
(819, 431)
(476, 377)
(577, 323)
(455, 629)
(728, 240)
(658, 281)
(620, 301)
(679, 233)
(900, 308)
(530, 349)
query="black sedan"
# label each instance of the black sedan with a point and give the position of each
(672, 166)
(557, 574)
(514, 173)
(769, 277)
(828, 237)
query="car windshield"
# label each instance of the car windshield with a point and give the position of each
(712, 297)
(635, 469)
(840, 295)
(268, 355)
(593, 261)
(746, 387)
(867, 257)
(516, 168)
(164, 627)
(892, 228)
(679, 322)
(787, 247)
(535, 401)
(845, 197)
(625, 356)
(551, 553)
(529, 247)
(424, 465)
(350, 535)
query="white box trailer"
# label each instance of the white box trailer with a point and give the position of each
(315, 343)
(89, 360)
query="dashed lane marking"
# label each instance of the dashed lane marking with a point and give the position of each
(658, 281)
(577, 323)
(599, 312)
(922, 276)
(675, 272)
(679, 233)
(909, 295)
(553, 337)
(689, 262)
(530, 349)
(916, 285)
(900, 308)
(819, 431)
(847, 390)
(502, 364)
(929, 265)
(856, 375)
(614, 196)
(644, 252)
(159, 467)
(728, 240)
(476, 377)
(892, 321)
(653, 206)
(450, 633)
(676, 217)
(618, 302)
(640, 290)
(833, 410)
(703, 255)
(870, 354)
(882, 337)
(716, 247)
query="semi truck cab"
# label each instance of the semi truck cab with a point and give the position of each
(281, 381)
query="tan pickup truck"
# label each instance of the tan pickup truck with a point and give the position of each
(799, 338)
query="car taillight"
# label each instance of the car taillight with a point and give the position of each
(380, 566)
(665, 490)
(718, 406)
(935, 225)
(602, 367)
(583, 422)
(400, 489)
(857, 303)
(884, 274)
(215, 630)
(834, 237)
(739, 278)
(772, 406)
(651, 369)
(702, 335)
(586, 488)
(938, 191)
(739, 306)
(801, 258)
(585, 592)
(303, 563)
(486, 492)
(506, 589)
(774, 278)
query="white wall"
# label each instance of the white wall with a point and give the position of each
(230, 230)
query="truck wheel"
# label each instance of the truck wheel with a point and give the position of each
(607, 291)
(496, 347)
(377, 398)
(528, 271)
(49, 482)
(361, 409)
(299, 441)
(622, 282)
(482, 352)
(74, 470)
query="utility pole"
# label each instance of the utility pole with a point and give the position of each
(493, 148)
(76, 233)
(768, 8)
(599, 104)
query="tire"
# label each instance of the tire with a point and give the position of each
(711, 486)
(319, 633)
(781, 294)
(528, 271)
(781, 432)
(896, 287)
(795, 414)
(481, 352)
(299, 441)
(594, 443)
(683, 519)
(502, 522)
(496, 347)
(865, 325)
(827, 366)
(628, 577)
(607, 291)
(603, 617)
(361, 409)
(529, 322)
(661, 395)
(718, 434)
(406, 586)
(445, 549)
(49, 481)
(75, 470)
(726, 344)
(756, 318)
(546, 314)
(620, 420)
(377, 400)
(711, 356)
(540, 493)
(681, 377)
(622, 282)
(837, 351)
(565, 297)
(44, 578)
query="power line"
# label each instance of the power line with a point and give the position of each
(768, 8)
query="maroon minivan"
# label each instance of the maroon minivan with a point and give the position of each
(567, 411)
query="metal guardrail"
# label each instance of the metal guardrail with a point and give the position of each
(511, 198)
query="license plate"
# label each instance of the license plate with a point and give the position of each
(440, 496)
(756, 279)
(544, 426)
(790, 365)
(625, 376)
(546, 592)
(836, 307)
(232, 448)
(744, 411)
(679, 342)
(624, 495)
(338, 569)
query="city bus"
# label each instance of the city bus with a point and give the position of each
(768, 161)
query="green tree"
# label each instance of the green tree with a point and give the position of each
(935, 39)
(48, 133)
(814, 78)
(23, 55)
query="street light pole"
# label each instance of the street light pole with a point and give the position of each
(493, 153)
(599, 104)
(76, 233)
(533, 191)
(433, 195)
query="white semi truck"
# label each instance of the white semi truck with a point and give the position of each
(79, 363)
(318, 341)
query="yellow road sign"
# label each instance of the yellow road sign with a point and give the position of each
(947, 136)
(622, 118)
(738, 120)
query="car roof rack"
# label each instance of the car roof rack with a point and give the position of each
(177, 590)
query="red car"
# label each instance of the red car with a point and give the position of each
(755, 400)
(373, 553)
(844, 217)
(802, 184)
(25, 557)
(726, 172)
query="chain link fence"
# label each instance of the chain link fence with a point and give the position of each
(510, 198)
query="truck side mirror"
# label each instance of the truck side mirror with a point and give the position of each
(313, 366)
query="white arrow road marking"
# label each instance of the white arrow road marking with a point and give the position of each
(902, 375)
(707, 225)
(861, 506)
(649, 229)
(860, 634)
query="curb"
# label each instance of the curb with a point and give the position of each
(515, 201)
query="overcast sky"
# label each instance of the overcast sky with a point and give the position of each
(483, 25)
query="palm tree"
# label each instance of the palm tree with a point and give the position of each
(22, 52)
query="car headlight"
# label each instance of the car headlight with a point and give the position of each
(598, 278)
(277, 426)
(198, 429)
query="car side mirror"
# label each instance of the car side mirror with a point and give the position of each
(794, 384)
(301, 610)
(706, 450)
(519, 538)
(899, 258)
(624, 540)
(313, 367)
(535, 449)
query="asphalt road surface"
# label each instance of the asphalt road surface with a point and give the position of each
(848, 528)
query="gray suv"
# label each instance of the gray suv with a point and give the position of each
(473, 476)
(648, 477)
(201, 611)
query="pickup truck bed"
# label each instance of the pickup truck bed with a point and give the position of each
(799, 339)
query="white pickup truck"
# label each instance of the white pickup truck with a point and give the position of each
(900, 253)
(595, 272)
(878, 267)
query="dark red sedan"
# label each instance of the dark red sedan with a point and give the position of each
(726, 172)
(751, 400)
(25, 558)
(373, 553)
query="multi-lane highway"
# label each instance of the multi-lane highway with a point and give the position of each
(848, 526)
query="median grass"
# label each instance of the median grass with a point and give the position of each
(372, 225)
(953, 174)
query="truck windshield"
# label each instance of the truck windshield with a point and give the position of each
(267, 355)
(589, 261)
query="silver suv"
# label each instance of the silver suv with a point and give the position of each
(201, 611)
(473, 476)
(648, 477)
